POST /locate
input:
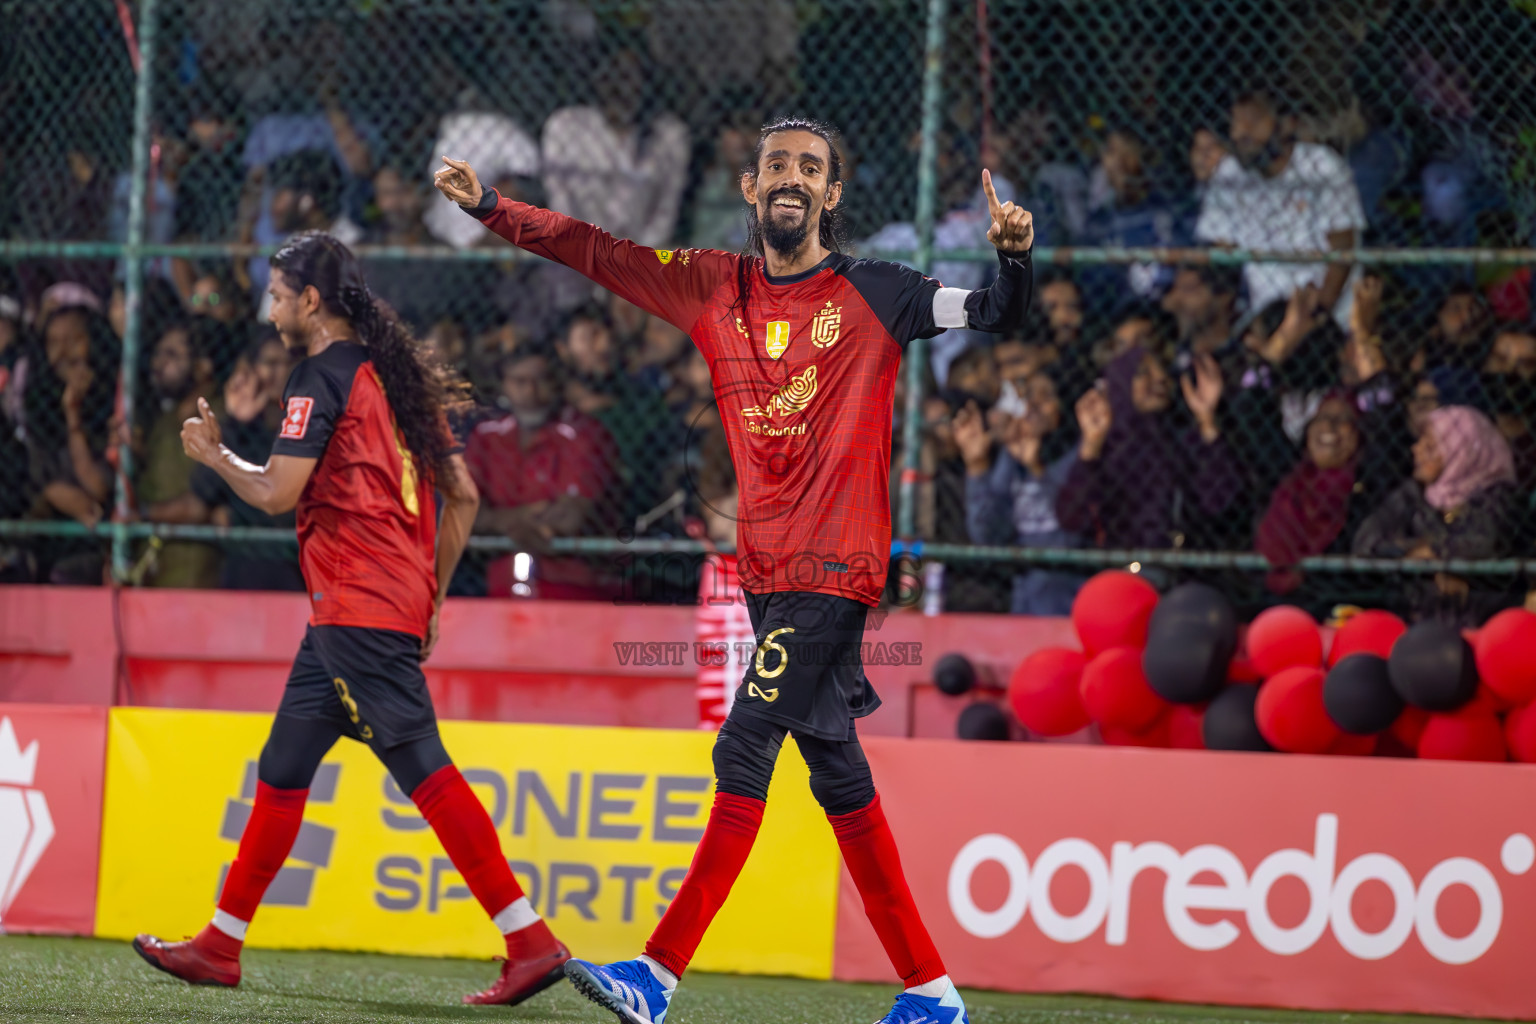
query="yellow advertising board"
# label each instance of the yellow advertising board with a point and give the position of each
(599, 825)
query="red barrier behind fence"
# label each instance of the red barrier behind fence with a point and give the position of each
(57, 645)
(52, 759)
(1304, 882)
(559, 662)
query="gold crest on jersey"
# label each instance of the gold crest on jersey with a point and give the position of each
(665, 255)
(793, 396)
(778, 338)
(827, 326)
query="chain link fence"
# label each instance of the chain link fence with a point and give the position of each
(1284, 259)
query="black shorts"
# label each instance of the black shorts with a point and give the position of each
(367, 681)
(808, 670)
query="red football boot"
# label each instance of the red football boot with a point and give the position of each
(535, 960)
(212, 958)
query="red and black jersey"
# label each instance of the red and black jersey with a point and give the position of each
(367, 519)
(804, 377)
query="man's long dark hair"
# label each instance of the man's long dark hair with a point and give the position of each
(421, 393)
(830, 228)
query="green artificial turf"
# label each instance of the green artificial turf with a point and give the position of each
(85, 980)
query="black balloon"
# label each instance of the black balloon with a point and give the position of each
(1432, 667)
(1358, 694)
(1190, 643)
(954, 674)
(1229, 722)
(982, 722)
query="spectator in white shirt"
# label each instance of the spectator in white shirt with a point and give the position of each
(617, 164)
(1276, 193)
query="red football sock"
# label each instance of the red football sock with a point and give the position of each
(218, 945)
(466, 832)
(264, 845)
(728, 838)
(869, 850)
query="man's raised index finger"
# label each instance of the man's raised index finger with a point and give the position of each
(986, 186)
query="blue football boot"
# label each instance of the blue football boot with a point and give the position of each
(626, 989)
(911, 1008)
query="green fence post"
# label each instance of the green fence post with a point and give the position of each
(927, 199)
(133, 287)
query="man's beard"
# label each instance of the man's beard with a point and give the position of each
(294, 339)
(780, 237)
(176, 391)
(1259, 160)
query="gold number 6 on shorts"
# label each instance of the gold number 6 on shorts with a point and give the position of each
(768, 645)
(351, 705)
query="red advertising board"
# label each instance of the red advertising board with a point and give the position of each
(1304, 882)
(52, 759)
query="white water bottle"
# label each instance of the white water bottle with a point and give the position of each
(933, 588)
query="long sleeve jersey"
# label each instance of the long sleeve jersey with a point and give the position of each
(804, 375)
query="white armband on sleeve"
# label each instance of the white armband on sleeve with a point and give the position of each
(949, 307)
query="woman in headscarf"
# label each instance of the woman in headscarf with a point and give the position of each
(1317, 503)
(1139, 482)
(1457, 504)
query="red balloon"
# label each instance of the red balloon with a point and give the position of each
(1291, 715)
(1155, 736)
(1115, 691)
(1240, 669)
(1354, 746)
(1409, 726)
(1044, 692)
(1520, 733)
(1370, 632)
(1506, 655)
(1185, 722)
(1469, 734)
(1112, 610)
(1284, 637)
(1488, 700)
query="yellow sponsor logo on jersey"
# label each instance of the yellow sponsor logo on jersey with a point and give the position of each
(793, 396)
(778, 338)
(827, 326)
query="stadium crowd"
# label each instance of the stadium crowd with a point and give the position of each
(1288, 409)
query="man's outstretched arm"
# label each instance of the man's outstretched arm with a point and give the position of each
(675, 286)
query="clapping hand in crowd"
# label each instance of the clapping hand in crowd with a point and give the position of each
(1303, 314)
(244, 395)
(1094, 418)
(1024, 437)
(1366, 311)
(1202, 393)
